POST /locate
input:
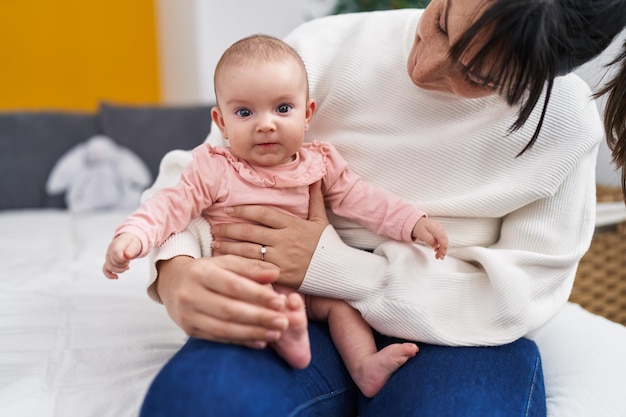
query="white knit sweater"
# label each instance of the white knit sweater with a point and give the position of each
(517, 226)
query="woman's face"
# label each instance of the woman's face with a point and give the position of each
(429, 64)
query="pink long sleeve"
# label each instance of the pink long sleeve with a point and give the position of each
(379, 211)
(171, 209)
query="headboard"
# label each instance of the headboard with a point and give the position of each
(32, 142)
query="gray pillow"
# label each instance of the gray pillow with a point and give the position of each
(151, 132)
(30, 145)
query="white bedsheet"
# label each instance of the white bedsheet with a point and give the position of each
(73, 343)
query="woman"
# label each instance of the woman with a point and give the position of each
(499, 148)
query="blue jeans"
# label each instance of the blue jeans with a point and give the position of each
(212, 379)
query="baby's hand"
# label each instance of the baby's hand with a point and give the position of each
(433, 234)
(121, 251)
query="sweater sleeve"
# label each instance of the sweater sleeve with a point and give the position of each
(478, 295)
(195, 242)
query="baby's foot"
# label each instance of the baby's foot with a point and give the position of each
(377, 368)
(293, 346)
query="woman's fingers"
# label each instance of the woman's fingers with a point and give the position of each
(218, 299)
(317, 208)
(289, 241)
(268, 220)
(232, 321)
(230, 270)
(260, 214)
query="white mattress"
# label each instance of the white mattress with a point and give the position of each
(73, 343)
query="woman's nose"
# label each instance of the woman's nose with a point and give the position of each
(432, 64)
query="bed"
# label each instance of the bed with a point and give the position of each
(74, 344)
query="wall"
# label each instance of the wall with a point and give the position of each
(596, 74)
(70, 54)
(194, 33)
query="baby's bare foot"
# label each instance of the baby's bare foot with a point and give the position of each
(294, 345)
(377, 368)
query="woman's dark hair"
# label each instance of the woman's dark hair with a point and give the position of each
(535, 41)
(615, 115)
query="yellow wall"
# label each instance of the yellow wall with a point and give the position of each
(71, 54)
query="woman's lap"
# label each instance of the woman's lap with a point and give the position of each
(211, 379)
(464, 381)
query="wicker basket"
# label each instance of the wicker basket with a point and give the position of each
(600, 285)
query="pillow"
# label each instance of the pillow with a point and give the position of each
(30, 145)
(151, 132)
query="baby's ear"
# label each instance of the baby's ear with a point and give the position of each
(310, 112)
(216, 115)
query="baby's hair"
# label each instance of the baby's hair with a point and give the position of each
(257, 48)
(534, 42)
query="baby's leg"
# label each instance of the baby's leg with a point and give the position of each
(370, 369)
(293, 346)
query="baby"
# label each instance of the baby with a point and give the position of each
(264, 110)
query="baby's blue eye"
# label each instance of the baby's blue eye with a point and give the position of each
(243, 112)
(284, 108)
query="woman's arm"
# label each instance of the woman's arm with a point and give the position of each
(224, 299)
(476, 296)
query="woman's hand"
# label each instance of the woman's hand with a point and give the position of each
(289, 241)
(224, 299)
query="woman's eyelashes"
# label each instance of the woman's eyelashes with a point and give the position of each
(479, 82)
(439, 27)
(469, 80)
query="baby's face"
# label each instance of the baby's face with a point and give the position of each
(264, 110)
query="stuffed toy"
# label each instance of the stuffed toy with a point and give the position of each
(98, 175)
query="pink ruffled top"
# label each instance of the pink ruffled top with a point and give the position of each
(308, 166)
(216, 179)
